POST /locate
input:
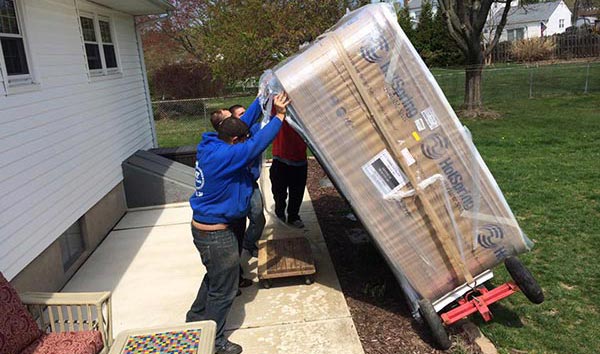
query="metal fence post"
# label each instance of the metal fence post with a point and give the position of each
(204, 105)
(587, 78)
(530, 82)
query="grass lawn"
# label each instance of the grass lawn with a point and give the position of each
(187, 130)
(545, 155)
(517, 81)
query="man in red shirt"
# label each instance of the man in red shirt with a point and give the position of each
(288, 173)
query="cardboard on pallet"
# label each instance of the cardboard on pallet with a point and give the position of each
(379, 123)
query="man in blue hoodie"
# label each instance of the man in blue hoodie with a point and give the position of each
(256, 215)
(224, 187)
(247, 237)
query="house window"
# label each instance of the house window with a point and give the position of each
(71, 245)
(14, 54)
(561, 23)
(107, 45)
(516, 34)
(100, 49)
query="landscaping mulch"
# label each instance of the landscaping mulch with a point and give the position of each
(379, 310)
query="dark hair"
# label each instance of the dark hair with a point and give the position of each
(217, 118)
(234, 107)
(231, 128)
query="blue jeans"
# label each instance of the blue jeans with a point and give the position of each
(257, 220)
(219, 253)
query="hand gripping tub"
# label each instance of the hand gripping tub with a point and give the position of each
(380, 125)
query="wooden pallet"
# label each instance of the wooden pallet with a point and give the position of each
(283, 258)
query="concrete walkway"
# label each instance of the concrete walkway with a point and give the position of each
(153, 270)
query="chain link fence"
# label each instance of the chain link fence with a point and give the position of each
(509, 82)
(197, 108)
(181, 122)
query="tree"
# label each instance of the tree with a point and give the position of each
(425, 30)
(465, 20)
(406, 23)
(161, 50)
(430, 38)
(246, 37)
(186, 25)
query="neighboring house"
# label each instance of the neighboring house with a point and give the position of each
(74, 104)
(531, 21)
(589, 16)
(415, 8)
(527, 21)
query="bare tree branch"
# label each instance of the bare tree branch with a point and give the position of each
(454, 24)
(499, 28)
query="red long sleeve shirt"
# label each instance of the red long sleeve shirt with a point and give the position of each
(289, 145)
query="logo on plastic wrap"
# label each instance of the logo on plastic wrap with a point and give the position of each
(435, 146)
(405, 98)
(375, 51)
(489, 235)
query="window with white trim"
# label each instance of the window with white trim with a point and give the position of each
(13, 53)
(561, 23)
(99, 44)
(516, 34)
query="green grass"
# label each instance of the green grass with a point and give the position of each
(545, 155)
(180, 131)
(187, 130)
(517, 81)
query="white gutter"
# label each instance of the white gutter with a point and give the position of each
(165, 5)
(140, 48)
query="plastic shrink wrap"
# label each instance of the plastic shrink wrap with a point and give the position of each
(382, 128)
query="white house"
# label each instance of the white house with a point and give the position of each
(524, 21)
(532, 20)
(415, 8)
(74, 104)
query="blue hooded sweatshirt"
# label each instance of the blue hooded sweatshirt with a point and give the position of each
(224, 183)
(250, 117)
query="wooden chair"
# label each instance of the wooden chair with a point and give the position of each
(70, 323)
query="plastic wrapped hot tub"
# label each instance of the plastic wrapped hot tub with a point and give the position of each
(380, 125)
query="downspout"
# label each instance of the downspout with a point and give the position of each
(140, 48)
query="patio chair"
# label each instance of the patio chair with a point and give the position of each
(56, 323)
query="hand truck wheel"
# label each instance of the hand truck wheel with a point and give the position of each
(524, 280)
(266, 283)
(434, 322)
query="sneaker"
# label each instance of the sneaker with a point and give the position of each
(229, 348)
(297, 224)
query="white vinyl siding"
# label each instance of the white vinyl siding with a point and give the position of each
(61, 147)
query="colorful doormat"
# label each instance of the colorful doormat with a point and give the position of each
(180, 342)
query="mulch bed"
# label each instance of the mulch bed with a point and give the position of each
(376, 302)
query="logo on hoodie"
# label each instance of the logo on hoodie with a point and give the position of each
(199, 181)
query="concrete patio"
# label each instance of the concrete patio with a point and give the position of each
(153, 270)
